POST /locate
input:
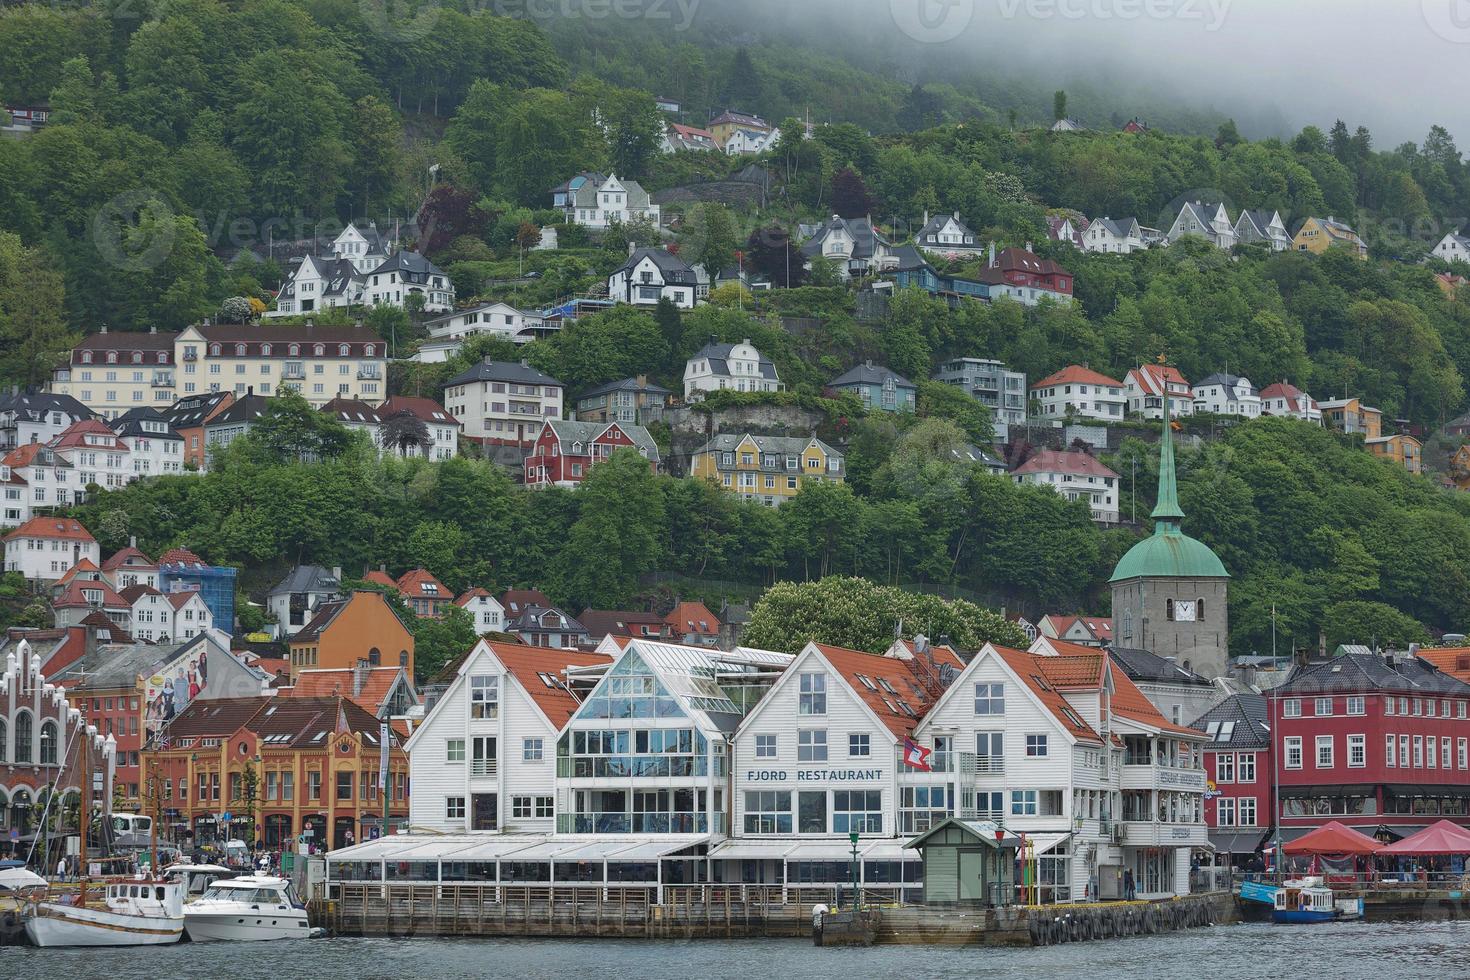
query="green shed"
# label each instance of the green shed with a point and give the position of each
(968, 862)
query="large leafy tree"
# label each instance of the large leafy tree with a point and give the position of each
(620, 532)
(34, 337)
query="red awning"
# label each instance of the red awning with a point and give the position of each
(1333, 838)
(1440, 838)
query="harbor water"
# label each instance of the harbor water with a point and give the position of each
(1358, 951)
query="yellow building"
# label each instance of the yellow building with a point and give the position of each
(1351, 415)
(1459, 468)
(767, 469)
(1317, 235)
(1405, 451)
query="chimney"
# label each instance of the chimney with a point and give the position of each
(132, 541)
(868, 362)
(104, 328)
(632, 247)
(525, 363)
(1028, 247)
(926, 216)
(991, 264)
(153, 329)
(359, 677)
(337, 572)
(956, 216)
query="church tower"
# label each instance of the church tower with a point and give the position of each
(1170, 591)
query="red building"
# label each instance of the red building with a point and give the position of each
(425, 594)
(1380, 743)
(1238, 797)
(565, 451)
(1023, 269)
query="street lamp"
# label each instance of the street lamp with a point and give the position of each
(857, 899)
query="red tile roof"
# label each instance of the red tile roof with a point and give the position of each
(516, 600)
(73, 597)
(621, 622)
(895, 684)
(1070, 461)
(527, 664)
(1151, 378)
(178, 599)
(424, 409)
(1044, 678)
(473, 592)
(379, 577)
(1293, 395)
(1128, 700)
(137, 591)
(1454, 661)
(83, 567)
(125, 556)
(76, 435)
(52, 527)
(179, 556)
(23, 455)
(695, 618)
(421, 584)
(377, 684)
(1076, 375)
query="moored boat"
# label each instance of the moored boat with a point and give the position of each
(141, 912)
(251, 908)
(1309, 900)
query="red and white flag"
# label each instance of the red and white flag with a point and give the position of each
(915, 756)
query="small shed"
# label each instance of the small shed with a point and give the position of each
(967, 862)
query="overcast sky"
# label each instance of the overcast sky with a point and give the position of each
(1396, 66)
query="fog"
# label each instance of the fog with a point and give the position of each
(1396, 66)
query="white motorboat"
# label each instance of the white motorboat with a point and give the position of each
(140, 912)
(252, 908)
(197, 877)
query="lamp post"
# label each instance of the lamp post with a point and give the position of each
(857, 898)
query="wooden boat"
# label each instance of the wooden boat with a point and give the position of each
(1308, 900)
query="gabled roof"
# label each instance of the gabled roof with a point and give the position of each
(180, 599)
(780, 445)
(246, 408)
(1080, 666)
(307, 578)
(38, 406)
(84, 567)
(352, 411)
(130, 424)
(137, 591)
(1240, 721)
(408, 262)
(472, 593)
(570, 432)
(670, 266)
(1152, 378)
(937, 224)
(736, 118)
(618, 622)
(531, 619)
(1454, 661)
(626, 384)
(868, 373)
(1293, 395)
(529, 664)
(693, 618)
(35, 453)
(894, 691)
(1119, 227)
(865, 238)
(74, 595)
(1219, 378)
(1076, 375)
(1021, 260)
(423, 409)
(192, 410)
(379, 577)
(1057, 461)
(75, 435)
(1042, 678)
(378, 684)
(59, 528)
(1368, 672)
(515, 600)
(421, 584)
(326, 612)
(181, 556)
(718, 355)
(1145, 667)
(518, 373)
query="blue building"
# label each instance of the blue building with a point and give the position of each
(914, 270)
(878, 387)
(180, 570)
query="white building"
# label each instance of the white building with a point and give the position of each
(653, 274)
(1263, 226)
(172, 617)
(129, 566)
(1118, 236)
(319, 362)
(853, 245)
(98, 457)
(1069, 751)
(1227, 394)
(362, 268)
(1286, 399)
(599, 203)
(407, 275)
(503, 402)
(1076, 476)
(1454, 247)
(1080, 393)
(946, 234)
(43, 549)
(485, 756)
(154, 448)
(729, 367)
(293, 601)
(38, 417)
(441, 428)
(496, 319)
(1147, 387)
(1207, 220)
(486, 611)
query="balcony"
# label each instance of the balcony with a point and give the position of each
(484, 767)
(1147, 776)
(1145, 833)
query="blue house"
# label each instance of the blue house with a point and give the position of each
(878, 387)
(914, 270)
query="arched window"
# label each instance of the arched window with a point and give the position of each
(23, 736)
(163, 357)
(48, 744)
(112, 357)
(4, 740)
(375, 657)
(214, 350)
(1127, 624)
(319, 349)
(86, 357)
(137, 357)
(295, 349)
(1169, 610)
(239, 350)
(1199, 610)
(342, 350)
(368, 350)
(265, 350)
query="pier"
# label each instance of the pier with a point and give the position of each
(730, 912)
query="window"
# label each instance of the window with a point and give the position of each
(1035, 746)
(48, 744)
(520, 807)
(857, 811)
(859, 746)
(484, 697)
(1294, 752)
(1404, 751)
(1390, 756)
(1225, 812)
(1324, 751)
(990, 699)
(811, 745)
(1462, 759)
(1023, 802)
(813, 694)
(1323, 707)
(768, 812)
(1357, 749)
(1291, 708)
(454, 808)
(344, 786)
(454, 750)
(533, 750)
(811, 812)
(1246, 767)
(1225, 768)
(1418, 751)
(1430, 753)
(1247, 808)
(1356, 706)
(765, 746)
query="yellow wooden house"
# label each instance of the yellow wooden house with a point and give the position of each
(767, 469)
(1317, 235)
(1405, 451)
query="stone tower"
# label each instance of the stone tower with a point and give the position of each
(1170, 592)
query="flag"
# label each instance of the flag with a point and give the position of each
(915, 756)
(163, 742)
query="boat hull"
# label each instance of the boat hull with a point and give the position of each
(1302, 916)
(210, 927)
(65, 925)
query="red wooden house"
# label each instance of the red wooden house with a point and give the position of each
(565, 451)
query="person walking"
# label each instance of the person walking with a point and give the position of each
(61, 868)
(1130, 892)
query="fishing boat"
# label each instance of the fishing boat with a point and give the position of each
(140, 911)
(250, 908)
(1308, 900)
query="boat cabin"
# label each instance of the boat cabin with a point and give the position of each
(1308, 899)
(145, 897)
(253, 890)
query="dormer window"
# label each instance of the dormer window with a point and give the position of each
(342, 350)
(319, 350)
(295, 349)
(369, 350)
(112, 357)
(86, 357)
(265, 350)
(214, 350)
(137, 357)
(163, 357)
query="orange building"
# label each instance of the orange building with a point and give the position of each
(1402, 450)
(270, 768)
(364, 627)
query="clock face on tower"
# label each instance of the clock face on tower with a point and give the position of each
(1184, 611)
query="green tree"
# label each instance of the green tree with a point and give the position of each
(290, 429)
(34, 338)
(1059, 105)
(620, 532)
(436, 642)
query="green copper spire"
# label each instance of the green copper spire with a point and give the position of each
(1167, 512)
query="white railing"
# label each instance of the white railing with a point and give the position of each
(483, 767)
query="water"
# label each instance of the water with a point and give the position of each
(1353, 951)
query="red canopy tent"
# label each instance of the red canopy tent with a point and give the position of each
(1440, 838)
(1332, 838)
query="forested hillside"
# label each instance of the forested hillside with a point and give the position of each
(189, 139)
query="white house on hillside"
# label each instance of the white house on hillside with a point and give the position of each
(652, 274)
(1075, 476)
(597, 202)
(1263, 226)
(1454, 247)
(946, 234)
(1209, 221)
(1147, 386)
(1082, 393)
(1227, 394)
(1118, 236)
(728, 367)
(852, 244)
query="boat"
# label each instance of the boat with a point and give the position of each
(251, 908)
(1308, 900)
(140, 911)
(197, 877)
